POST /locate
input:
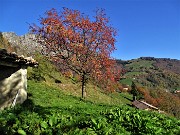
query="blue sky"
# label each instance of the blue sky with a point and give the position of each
(145, 27)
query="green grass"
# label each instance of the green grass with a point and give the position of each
(124, 97)
(136, 69)
(56, 97)
(50, 111)
(141, 63)
(132, 74)
(47, 73)
(127, 81)
(50, 97)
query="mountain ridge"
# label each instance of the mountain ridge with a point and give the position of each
(29, 38)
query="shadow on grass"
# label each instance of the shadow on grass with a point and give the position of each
(29, 107)
(126, 98)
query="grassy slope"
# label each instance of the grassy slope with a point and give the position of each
(65, 98)
(54, 99)
(135, 70)
(136, 64)
(57, 109)
(49, 110)
(47, 73)
(51, 96)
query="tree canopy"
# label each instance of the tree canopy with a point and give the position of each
(79, 43)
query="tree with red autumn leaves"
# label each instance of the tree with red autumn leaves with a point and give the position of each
(82, 45)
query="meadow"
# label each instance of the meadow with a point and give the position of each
(50, 111)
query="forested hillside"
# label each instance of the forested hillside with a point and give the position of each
(156, 79)
(153, 72)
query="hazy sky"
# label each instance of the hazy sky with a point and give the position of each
(145, 27)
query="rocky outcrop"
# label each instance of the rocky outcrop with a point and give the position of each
(26, 45)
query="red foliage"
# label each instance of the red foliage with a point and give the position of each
(166, 101)
(109, 75)
(169, 102)
(148, 98)
(80, 44)
(68, 74)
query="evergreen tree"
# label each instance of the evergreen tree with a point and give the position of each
(136, 94)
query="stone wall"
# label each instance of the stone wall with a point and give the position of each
(12, 80)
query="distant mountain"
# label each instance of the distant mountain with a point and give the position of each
(152, 72)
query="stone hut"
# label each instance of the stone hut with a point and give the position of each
(13, 78)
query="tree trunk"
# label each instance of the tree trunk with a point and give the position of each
(134, 98)
(83, 86)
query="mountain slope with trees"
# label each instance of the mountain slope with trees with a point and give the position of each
(152, 72)
(156, 81)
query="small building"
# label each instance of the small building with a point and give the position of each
(125, 89)
(13, 78)
(143, 105)
(177, 91)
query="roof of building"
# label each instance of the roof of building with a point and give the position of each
(139, 105)
(13, 59)
(143, 105)
(149, 105)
